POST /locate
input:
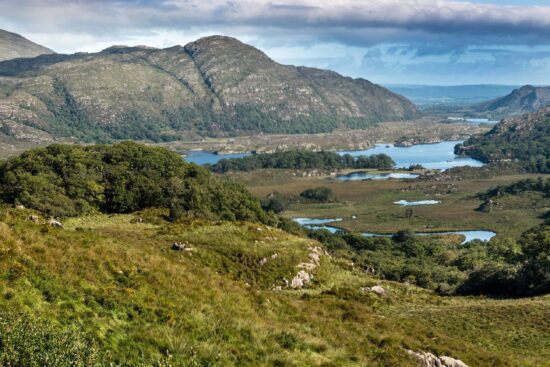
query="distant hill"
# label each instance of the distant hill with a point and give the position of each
(430, 96)
(214, 86)
(525, 139)
(13, 46)
(522, 100)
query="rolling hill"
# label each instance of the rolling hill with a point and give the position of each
(214, 86)
(14, 46)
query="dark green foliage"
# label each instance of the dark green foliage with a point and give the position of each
(497, 268)
(68, 120)
(302, 159)
(275, 203)
(319, 194)
(526, 140)
(25, 342)
(416, 167)
(534, 275)
(541, 185)
(63, 180)
(379, 161)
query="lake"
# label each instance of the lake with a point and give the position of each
(474, 120)
(432, 156)
(320, 223)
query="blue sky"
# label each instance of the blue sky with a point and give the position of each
(386, 41)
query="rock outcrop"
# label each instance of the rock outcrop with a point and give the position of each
(304, 276)
(427, 359)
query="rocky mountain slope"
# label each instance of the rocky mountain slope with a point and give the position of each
(525, 139)
(13, 46)
(214, 86)
(523, 100)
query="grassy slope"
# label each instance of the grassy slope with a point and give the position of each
(119, 280)
(372, 203)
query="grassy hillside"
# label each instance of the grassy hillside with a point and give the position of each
(117, 281)
(214, 86)
(122, 280)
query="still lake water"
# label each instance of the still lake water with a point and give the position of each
(312, 223)
(474, 120)
(431, 156)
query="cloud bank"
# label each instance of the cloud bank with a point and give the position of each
(419, 28)
(347, 21)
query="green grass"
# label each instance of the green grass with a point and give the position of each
(373, 203)
(117, 281)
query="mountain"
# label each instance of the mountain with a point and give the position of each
(522, 100)
(525, 139)
(13, 46)
(214, 86)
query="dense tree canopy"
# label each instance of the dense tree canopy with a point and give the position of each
(69, 180)
(303, 159)
(525, 139)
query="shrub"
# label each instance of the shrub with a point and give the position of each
(319, 194)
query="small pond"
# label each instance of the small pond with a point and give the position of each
(361, 176)
(417, 203)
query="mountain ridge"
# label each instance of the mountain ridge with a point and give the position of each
(525, 99)
(213, 86)
(13, 46)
